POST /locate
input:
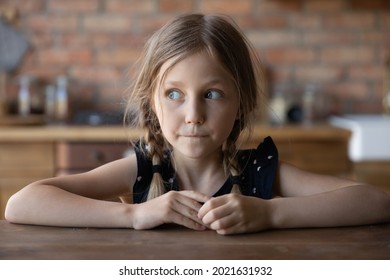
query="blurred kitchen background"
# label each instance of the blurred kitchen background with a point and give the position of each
(340, 46)
(69, 62)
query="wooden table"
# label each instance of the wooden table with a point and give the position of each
(173, 242)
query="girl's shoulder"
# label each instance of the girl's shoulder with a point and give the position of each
(258, 168)
(265, 153)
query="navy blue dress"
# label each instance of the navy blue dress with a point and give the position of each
(258, 173)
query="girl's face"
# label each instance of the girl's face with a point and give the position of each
(196, 105)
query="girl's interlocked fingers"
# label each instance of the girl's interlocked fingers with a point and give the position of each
(173, 207)
(235, 213)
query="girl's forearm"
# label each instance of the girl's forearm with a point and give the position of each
(354, 205)
(48, 205)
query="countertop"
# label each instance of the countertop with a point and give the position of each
(120, 133)
(175, 242)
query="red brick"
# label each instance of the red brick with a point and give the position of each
(319, 73)
(279, 74)
(107, 23)
(368, 107)
(353, 21)
(230, 7)
(328, 37)
(380, 91)
(290, 55)
(278, 6)
(384, 53)
(43, 71)
(183, 6)
(368, 72)
(40, 39)
(384, 20)
(149, 24)
(130, 40)
(340, 43)
(72, 40)
(345, 90)
(95, 74)
(119, 57)
(73, 6)
(321, 6)
(370, 5)
(255, 22)
(347, 55)
(134, 6)
(65, 56)
(305, 21)
(375, 37)
(41, 23)
(273, 38)
(22, 6)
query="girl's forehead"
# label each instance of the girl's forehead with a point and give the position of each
(198, 60)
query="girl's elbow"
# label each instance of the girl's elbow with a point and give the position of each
(15, 207)
(11, 210)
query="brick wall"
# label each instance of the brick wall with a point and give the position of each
(342, 45)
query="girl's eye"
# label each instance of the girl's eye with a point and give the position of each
(213, 94)
(174, 94)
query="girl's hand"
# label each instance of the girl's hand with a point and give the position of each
(235, 213)
(172, 207)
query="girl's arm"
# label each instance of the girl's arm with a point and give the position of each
(313, 200)
(302, 199)
(76, 200)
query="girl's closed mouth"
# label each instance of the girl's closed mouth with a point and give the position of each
(195, 135)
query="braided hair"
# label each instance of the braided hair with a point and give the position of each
(180, 38)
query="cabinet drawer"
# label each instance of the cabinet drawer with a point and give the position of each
(373, 172)
(326, 157)
(71, 155)
(24, 157)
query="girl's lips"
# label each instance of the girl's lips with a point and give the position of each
(195, 136)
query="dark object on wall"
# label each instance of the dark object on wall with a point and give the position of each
(13, 46)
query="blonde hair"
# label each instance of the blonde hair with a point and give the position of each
(178, 39)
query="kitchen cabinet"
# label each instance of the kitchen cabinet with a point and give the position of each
(31, 153)
(373, 172)
(76, 157)
(318, 148)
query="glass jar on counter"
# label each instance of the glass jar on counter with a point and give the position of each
(62, 99)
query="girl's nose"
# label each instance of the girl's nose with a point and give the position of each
(194, 112)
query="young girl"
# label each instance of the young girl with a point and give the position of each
(196, 92)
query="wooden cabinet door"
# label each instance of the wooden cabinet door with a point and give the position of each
(85, 156)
